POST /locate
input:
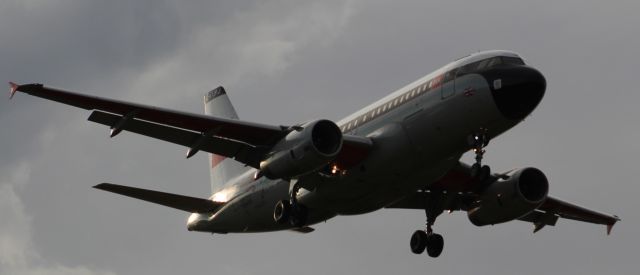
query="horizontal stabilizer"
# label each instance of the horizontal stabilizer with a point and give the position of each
(185, 203)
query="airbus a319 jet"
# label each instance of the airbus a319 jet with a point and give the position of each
(402, 151)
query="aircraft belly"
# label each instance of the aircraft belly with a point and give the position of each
(253, 211)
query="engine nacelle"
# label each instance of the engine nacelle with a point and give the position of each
(306, 149)
(505, 200)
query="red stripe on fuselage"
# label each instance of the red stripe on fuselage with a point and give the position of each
(455, 181)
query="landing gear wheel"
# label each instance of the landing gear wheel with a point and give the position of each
(282, 212)
(418, 242)
(435, 244)
(299, 215)
(485, 173)
(475, 170)
(480, 173)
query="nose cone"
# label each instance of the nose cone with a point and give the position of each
(516, 90)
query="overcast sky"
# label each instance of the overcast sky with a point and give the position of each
(284, 62)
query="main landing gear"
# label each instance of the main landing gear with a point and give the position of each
(427, 239)
(477, 141)
(290, 210)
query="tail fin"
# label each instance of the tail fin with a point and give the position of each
(217, 103)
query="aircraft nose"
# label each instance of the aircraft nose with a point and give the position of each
(516, 90)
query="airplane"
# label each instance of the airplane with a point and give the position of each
(403, 151)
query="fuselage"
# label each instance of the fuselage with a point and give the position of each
(419, 132)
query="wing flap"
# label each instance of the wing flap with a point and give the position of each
(251, 133)
(185, 203)
(239, 151)
(540, 219)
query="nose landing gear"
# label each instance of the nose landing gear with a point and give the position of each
(477, 141)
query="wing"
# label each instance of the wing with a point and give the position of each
(574, 212)
(243, 141)
(461, 191)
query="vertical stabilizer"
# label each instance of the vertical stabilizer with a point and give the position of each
(222, 169)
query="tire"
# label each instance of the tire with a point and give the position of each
(435, 245)
(418, 242)
(485, 173)
(475, 170)
(282, 212)
(299, 215)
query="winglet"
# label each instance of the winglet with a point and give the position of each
(14, 89)
(610, 226)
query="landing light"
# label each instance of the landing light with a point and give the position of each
(220, 197)
(334, 169)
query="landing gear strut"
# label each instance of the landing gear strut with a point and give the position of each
(427, 239)
(477, 141)
(291, 211)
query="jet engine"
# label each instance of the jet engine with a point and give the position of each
(507, 199)
(306, 149)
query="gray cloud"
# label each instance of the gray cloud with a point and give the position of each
(18, 253)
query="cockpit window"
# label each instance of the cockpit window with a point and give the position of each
(488, 63)
(512, 60)
(491, 62)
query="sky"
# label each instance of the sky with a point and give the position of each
(284, 62)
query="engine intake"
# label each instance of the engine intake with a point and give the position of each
(306, 149)
(506, 200)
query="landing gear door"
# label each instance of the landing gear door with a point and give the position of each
(448, 84)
